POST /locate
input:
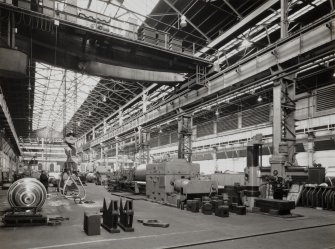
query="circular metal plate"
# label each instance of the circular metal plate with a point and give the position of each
(27, 192)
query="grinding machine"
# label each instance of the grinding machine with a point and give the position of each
(173, 181)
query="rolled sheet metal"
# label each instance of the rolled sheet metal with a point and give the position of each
(140, 172)
(27, 192)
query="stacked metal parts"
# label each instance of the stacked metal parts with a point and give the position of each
(317, 196)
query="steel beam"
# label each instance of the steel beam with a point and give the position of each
(192, 24)
(233, 9)
(285, 50)
(126, 73)
(245, 21)
(122, 107)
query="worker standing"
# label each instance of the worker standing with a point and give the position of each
(44, 179)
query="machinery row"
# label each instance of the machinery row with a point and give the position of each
(178, 180)
(178, 183)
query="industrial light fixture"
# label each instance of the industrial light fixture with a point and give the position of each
(183, 22)
(78, 123)
(217, 112)
(259, 99)
(160, 130)
(89, 113)
(104, 98)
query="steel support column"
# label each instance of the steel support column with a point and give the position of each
(104, 126)
(185, 137)
(11, 30)
(144, 102)
(332, 4)
(144, 145)
(201, 75)
(116, 154)
(310, 148)
(283, 18)
(120, 117)
(283, 126)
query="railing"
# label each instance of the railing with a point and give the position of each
(103, 23)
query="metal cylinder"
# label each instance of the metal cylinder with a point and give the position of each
(140, 172)
(27, 192)
(180, 184)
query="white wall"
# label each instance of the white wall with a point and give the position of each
(326, 158)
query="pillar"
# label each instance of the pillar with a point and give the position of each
(310, 148)
(120, 117)
(239, 120)
(93, 133)
(144, 102)
(216, 166)
(215, 127)
(283, 18)
(185, 137)
(144, 146)
(44, 162)
(117, 153)
(284, 138)
(105, 126)
(277, 118)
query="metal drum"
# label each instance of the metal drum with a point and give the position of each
(27, 192)
(140, 172)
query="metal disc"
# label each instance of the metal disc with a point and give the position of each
(27, 192)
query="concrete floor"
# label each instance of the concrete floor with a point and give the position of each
(316, 230)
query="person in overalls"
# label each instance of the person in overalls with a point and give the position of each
(44, 179)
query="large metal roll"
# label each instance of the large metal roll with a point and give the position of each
(140, 172)
(180, 184)
(27, 192)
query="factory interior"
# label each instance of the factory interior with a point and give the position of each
(160, 124)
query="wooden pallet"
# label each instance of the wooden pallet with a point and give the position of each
(21, 219)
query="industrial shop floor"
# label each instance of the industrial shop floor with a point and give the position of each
(316, 230)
